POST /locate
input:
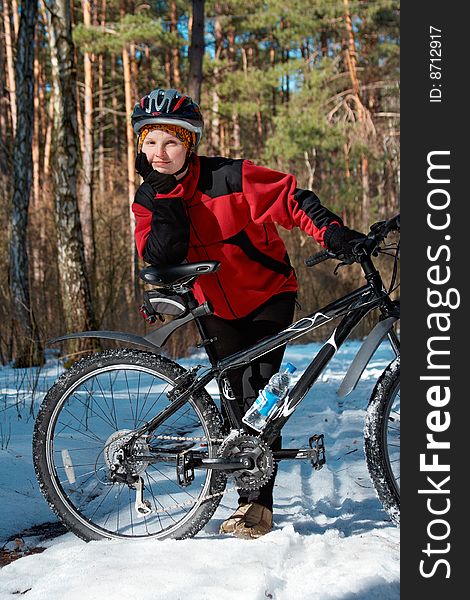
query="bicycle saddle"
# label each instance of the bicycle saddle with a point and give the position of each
(177, 274)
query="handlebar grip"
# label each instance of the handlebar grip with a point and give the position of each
(315, 259)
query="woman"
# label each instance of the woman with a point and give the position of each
(196, 208)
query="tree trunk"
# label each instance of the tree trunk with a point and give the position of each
(101, 117)
(35, 140)
(365, 191)
(223, 149)
(351, 57)
(347, 170)
(236, 140)
(215, 121)
(4, 131)
(236, 152)
(130, 163)
(48, 136)
(351, 62)
(86, 195)
(134, 72)
(16, 19)
(9, 43)
(28, 350)
(272, 62)
(115, 105)
(311, 165)
(196, 50)
(35, 246)
(175, 51)
(101, 124)
(149, 74)
(74, 284)
(38, 236)
(80, 125)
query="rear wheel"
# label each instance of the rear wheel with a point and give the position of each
(81, 432)
(382, 439)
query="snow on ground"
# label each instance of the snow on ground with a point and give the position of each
(331, 538)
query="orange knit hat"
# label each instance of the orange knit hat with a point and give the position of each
(187, 137)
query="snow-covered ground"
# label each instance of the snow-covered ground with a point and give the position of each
(331, 538)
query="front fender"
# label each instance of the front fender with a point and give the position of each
(370, 345)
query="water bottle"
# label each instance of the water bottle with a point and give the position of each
(269, 397)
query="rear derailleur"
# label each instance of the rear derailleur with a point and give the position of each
(126, 459)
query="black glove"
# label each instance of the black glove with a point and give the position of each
(338, 239)
(382, 228)
(161, 182)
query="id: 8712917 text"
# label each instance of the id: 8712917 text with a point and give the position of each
(435, 64)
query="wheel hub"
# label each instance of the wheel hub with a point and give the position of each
(261, 465)
(117, 457)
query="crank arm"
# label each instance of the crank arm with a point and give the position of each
(200, 461)
(224, 464)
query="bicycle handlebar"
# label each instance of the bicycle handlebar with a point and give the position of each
(378, 232)
(315, 259)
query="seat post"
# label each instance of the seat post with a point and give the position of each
(192, 304)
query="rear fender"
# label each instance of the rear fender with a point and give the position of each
(120, 336)
(153, 341)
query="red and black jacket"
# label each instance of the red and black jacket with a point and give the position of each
(226, 210)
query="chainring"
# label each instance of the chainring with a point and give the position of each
(258, 451)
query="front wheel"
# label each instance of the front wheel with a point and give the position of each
(82, 432)
(382, 439)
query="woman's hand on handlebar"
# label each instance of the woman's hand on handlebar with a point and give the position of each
(358, 244)
(381, 229)
(341, 240)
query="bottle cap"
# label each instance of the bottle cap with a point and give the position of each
(290, 367)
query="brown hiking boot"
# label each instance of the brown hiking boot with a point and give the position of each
(231, 523)
(257, 521)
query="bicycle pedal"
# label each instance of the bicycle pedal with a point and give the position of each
(317, 447)
(185, 468)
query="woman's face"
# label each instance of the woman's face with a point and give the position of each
(164, 151)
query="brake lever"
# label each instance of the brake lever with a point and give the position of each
(345, 262)
(358, 252)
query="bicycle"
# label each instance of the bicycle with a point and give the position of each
(129, 444)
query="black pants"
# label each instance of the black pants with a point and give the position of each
(235, 335)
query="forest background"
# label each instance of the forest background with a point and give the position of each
(309, 87)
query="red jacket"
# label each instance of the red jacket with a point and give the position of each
(226, 210)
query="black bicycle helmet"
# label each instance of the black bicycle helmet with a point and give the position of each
(168, 107)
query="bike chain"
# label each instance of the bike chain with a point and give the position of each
(209, 496)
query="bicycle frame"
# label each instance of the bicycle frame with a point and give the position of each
(121, 436)
(352, 307)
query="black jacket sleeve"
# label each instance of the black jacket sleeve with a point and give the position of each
(162, 228)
